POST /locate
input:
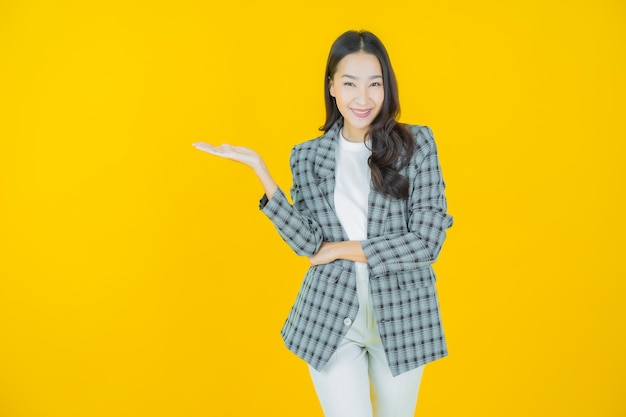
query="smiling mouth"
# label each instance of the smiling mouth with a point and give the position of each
(362, 113)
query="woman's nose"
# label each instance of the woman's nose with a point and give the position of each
(362, 96)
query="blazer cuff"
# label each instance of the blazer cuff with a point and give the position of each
(374, 252)
(263, 201)
(274, 205)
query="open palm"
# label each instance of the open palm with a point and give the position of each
(236, 153)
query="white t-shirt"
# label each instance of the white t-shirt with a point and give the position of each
(352, 185)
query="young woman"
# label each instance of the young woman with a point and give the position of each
(370, 213)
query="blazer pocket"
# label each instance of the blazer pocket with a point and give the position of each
(329, 272)
(417, 278)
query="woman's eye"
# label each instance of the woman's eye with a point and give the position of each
(376, 84)
(349, 84)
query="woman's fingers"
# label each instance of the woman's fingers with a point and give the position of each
(237, 153)
(204, 147)
(223, 150)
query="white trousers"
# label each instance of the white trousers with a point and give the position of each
(357, 382)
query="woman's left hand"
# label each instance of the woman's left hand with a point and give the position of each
(324, 255)
(328, 252)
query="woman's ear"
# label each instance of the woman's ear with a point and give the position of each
(331, 88)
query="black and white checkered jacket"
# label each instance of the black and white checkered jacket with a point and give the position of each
(404, 240)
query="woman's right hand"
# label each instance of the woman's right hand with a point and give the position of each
(244, 156)
(236, 153)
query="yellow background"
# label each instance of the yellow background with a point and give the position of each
(138, 277)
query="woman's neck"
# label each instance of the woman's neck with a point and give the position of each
(353, 135)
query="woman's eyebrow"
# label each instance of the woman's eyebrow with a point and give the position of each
(352, 77)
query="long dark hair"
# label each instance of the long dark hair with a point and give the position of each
(392, 142)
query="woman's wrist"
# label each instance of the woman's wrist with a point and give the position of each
(263, 174)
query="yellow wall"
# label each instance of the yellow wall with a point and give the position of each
(138, 277)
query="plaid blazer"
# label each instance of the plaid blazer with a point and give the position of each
(404, 239)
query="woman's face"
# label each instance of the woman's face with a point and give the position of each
(357, 86)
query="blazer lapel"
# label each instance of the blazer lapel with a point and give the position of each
(377, 208)
(325, 157)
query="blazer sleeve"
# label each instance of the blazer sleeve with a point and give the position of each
(293, 222)
(427, 218)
